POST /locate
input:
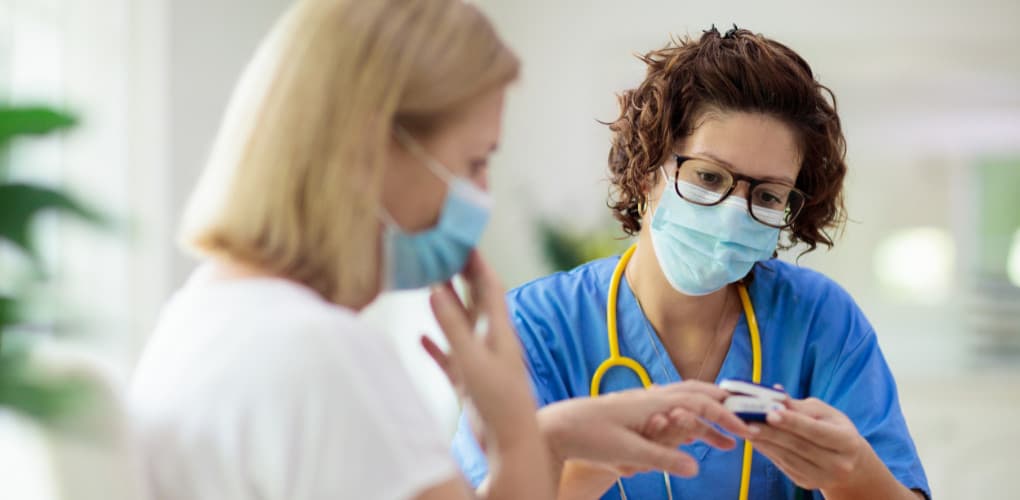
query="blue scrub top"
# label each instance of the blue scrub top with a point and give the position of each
(816, 342)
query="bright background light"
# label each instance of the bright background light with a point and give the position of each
(916, 264)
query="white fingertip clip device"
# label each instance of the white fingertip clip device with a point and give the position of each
(750, 401)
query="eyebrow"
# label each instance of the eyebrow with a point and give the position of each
(730, 166)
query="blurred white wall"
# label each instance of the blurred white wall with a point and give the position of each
(210, 42)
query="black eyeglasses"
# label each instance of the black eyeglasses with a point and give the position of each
(704, 182)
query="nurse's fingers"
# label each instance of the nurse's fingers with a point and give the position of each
(799, 470)
(813, 407)
(821, 432)
(792, 443)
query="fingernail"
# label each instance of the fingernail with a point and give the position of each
(774, 417)
(754, 429)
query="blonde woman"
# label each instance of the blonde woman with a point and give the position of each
(353, 160)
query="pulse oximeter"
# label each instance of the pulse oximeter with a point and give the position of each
(750, 401)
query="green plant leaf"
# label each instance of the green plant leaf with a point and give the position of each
(566, 249)
(24, 120)
(561, 248)
(21, 203)
(24, 390)
(8, 312)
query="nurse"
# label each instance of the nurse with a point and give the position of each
(729, 150)
(353, 160)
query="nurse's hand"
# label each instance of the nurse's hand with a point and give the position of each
(813, 443)
(819, 448)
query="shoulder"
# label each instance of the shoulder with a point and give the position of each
(269, 381)
(800, 286)
(537, 308)
(563, 288)
(294, 336)
(244, 342)
(306, 344)
(796, 279)
(802, 299)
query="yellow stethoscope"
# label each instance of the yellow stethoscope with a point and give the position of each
(615, 360)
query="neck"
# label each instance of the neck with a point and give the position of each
(228, 269)
(666, 308)
(693, 329)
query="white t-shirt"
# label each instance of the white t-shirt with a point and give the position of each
(259, 389)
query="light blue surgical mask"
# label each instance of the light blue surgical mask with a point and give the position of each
(702, 249)
(423, 258)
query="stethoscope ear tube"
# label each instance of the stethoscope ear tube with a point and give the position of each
(616, 360)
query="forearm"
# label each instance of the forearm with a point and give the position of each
(520, 470)
(577, 480)
(583, 481)
(874, 481)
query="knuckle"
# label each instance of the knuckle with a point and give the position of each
(690, 422)
(702, 403)
(844, 468)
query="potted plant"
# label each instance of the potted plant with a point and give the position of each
(22, 388)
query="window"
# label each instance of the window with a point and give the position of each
(102, 60)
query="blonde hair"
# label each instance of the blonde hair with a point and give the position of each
(294, 179)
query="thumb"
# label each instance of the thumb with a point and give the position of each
(649, 455)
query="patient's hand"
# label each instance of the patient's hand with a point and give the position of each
(639, 430)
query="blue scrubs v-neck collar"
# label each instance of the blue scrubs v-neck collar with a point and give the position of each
(639, 341)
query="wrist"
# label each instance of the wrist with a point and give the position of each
(516, 427)
(516, 433)
(525, 449)
(551, 427)
(869, 478)
(520, 470)
(584, 480)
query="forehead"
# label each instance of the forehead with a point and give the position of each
(479, 120)
(752, 144)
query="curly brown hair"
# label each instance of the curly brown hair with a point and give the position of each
(743, 72)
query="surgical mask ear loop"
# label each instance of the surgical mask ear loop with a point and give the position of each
(666, 183)
(386, 218)
(437, 169)
(642, 207)
(409, 143)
